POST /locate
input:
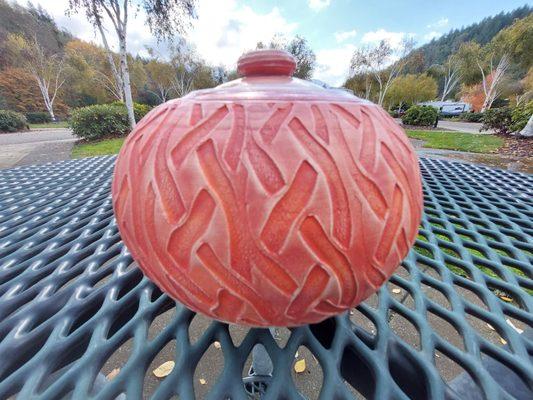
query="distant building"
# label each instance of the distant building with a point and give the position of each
(449, 107)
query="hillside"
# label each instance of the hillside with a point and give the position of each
(25, 20)
(438, 50)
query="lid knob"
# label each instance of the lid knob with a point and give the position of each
(266, 62)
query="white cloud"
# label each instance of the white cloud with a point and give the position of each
(432, 35)
(223, 31)
(441, 23)
(393, 38)
(139, 35)
(342, 36)
(318, 5)
(333, 64)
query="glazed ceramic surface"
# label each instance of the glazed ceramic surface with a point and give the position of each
(268, 201)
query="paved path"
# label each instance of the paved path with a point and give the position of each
(35, 147)
(470, 127)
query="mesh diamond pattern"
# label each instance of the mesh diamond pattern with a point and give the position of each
(72, 302)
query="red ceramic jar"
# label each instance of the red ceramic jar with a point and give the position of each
(268, 200)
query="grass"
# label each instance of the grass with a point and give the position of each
(448, 140)
(100, 148)
(459, 271)
(460, 141)
(60, 124)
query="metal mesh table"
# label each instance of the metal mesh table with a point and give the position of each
(453, 322)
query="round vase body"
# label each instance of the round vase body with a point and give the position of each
(268, 201)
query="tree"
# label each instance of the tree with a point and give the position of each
(191, 72)
(516, 41)
(377, 61)
(468, 56)
(452, 76)
(203, 76)
(415, 63)
(438, 50)
(45, 68)
(492, 80)
(473, 94)
(527, 88)
(138, 75)
(19, 91)
(165, 18)
(411, 89)
(90, 78)
(361, 85)
(161, 79)
(477, 64)
(299, 48)
(183, 81)
(304, 55)
(30, 21)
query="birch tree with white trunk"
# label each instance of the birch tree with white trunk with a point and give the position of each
(165, 19)
(111, 84)
(492, 79)
(161, 79)
(183, 82)
(452, 77)
(117, 85)
(46, 69)
(380, 63)
(184, 60)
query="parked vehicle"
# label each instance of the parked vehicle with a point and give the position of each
(449, 108)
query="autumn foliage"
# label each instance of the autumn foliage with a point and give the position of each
(474, 95)
(19, 91)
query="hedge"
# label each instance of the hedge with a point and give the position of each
(471, 117)
(38, 117)
(520, 115)
(420, 116)
(498, 119)
(139, 110)
(104, 120)
(11, 121)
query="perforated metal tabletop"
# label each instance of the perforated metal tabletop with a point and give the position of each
(79, 320)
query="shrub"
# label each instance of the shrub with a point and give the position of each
(11, 121)
(420, 116)
(139, 110)
(38, 117)
(520, 115)
(99, 121)
(497, 119)
(104, 120)
(471, 117)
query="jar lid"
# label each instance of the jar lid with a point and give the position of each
(267, 75)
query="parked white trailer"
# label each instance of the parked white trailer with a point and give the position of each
(449, 107)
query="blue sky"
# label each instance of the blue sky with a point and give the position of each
(334, 28)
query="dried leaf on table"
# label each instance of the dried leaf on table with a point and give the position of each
(164, 369)
(113, 373)
(299, 366)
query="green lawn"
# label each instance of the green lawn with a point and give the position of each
(461, 141)
(61, 124)
(101, 148)
(433, 139)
